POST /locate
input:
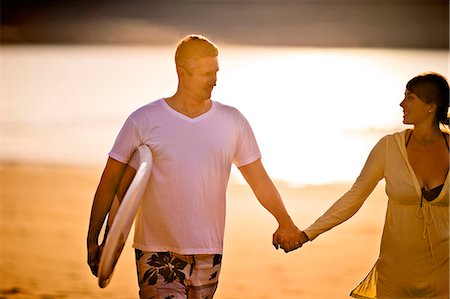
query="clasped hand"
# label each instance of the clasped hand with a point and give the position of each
(289, 238)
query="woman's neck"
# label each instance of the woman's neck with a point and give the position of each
(426, 134)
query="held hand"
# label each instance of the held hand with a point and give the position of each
(288, 237)
(303, 238)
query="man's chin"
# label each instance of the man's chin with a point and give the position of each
(207, 95)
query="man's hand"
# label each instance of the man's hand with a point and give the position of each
(114, 173)
(93, 257)
(289, 238)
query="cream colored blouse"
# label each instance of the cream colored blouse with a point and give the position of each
(414, 251)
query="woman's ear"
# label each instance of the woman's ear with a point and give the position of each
(433, 107)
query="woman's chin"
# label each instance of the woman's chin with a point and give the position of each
(406, 121)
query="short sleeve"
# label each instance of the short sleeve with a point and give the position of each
(247, 150)
(126, 143)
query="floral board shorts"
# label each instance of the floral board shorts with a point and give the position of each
(168, 275)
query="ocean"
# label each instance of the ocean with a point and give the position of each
(316, 112)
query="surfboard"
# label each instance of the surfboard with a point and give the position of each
(122, 216)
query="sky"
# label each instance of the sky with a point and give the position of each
(318, 23)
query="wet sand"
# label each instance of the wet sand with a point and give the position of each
(44, 215)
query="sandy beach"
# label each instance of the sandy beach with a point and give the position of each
(45, 214)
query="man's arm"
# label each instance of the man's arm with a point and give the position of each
(287, 235)
(107, 188)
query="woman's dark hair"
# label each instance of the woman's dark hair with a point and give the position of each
(432, 88)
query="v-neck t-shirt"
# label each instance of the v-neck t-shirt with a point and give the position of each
(183, 209)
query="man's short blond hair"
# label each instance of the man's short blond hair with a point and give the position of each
(194, 46)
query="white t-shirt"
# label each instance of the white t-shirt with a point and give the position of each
(183, 209)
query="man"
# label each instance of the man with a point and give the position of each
(179, 228)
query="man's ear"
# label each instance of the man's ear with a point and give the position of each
(181, 72)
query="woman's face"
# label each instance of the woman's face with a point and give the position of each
(414, 109)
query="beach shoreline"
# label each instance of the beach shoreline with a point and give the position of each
(45, 214)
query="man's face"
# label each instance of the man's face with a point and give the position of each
(200, 82)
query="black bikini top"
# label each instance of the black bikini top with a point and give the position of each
(432, 194)
(443, 135)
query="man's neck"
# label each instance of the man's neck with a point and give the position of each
(188, 107)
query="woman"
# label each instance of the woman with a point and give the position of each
(413, 260)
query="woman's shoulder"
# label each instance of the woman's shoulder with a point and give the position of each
(397, 137)
(394, 135)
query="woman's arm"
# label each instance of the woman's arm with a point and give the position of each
(346, 206)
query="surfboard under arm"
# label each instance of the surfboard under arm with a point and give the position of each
(123, 219)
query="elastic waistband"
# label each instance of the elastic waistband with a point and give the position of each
(189, 258)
